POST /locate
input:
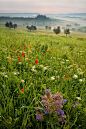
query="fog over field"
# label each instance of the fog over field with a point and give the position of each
(71, 21)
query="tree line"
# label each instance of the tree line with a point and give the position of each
(56, 30)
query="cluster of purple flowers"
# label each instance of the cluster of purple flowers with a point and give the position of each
(52, 105)
(75, 104)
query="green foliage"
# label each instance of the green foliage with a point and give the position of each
(57, 57)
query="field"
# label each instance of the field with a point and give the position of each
(42, 80)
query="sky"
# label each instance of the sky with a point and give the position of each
(43, 6)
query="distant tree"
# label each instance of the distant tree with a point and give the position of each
(11, 25)
(68, 25)
(63, 28)
(57, 30)
(34, 27)
(48, 27)
(77, 24)
(66, 31)
(73, 29)
(31, 28)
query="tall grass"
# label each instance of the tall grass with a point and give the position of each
(61, 68)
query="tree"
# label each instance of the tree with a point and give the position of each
(11, 25)
(48, 27)
(31, 28)
(57, 31)
(66, 31)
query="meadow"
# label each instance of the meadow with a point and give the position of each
(42, 80)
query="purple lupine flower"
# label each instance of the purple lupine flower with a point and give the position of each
(62, 112)
(77, 102)
(45, 102)
(45, 112)
(44, 97)
(47, 92)
(74, 106)
(39, 116)
(68, 123)
(65, 100)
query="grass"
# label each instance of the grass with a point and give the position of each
(58, 56)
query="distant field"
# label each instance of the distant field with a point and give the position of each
(38, 63)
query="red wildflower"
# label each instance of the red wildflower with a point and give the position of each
(36, 61)
(5, 71)
(22, 90)
(21, 45)
(13, 50)
(9, 59)
(30, 46)
(47, 51)
(18, 52)
(19, 59)
(24, 48)
(23, 54)
(67, 76)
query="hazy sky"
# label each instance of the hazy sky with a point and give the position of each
(43, 6)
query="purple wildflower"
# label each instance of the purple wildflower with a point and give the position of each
(39, 116)
(77, 102)
(65, 100)
(45, 112)
(47, 92)
(62, 112)
(74, 106)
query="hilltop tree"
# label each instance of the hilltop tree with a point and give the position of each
(11, 25)
(31, 28)
(48, 27)
(66, 31)
(57, 30)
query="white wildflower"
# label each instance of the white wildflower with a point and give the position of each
(53, 57)
(41, 66)
(19, 62)
(82, 80)
(81, 73)
(53, 78)
(78, 98)
(75, 76)
(5, 76)
(33, 67)
(33, 70)
(13, 59)
(15, 73)
(26, 58)
(20, 51)
(67, 60)
(8, 57)
(63, 62)
(44, 68)
(22, 81)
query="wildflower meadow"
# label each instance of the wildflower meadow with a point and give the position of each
(42, 80)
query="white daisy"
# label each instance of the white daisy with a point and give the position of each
(75, 76)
